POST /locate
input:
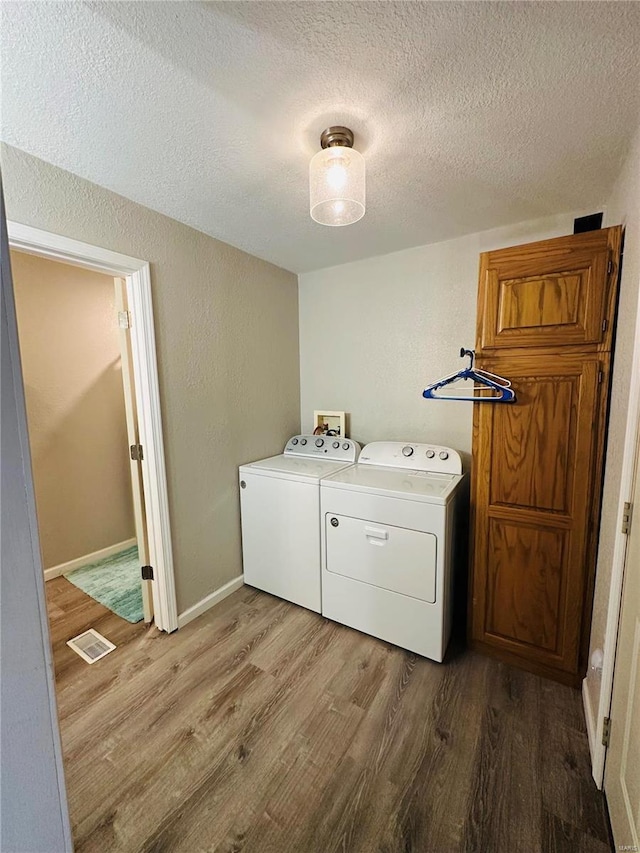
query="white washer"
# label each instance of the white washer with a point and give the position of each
(280, 507)
(388, 525)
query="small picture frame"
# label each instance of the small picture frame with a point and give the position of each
(330, 423)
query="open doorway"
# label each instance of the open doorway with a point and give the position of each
(130, 283)
(79, 388)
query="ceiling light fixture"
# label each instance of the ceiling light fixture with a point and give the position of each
(337, 179)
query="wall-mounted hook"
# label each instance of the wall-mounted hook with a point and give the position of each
(470, 353)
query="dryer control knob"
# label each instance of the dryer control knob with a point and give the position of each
(303, 441)
(407, 451)
(319, 442)
(294, 441)
(335, 445)
(443, 454)
(430, 454)
(345, 446)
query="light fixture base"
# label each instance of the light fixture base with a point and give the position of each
(337, 135)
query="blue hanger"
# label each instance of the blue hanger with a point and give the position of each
(503, 393)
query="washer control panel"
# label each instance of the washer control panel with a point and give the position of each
(326, 446)
(417, 457)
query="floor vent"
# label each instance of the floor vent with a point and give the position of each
(91, 646)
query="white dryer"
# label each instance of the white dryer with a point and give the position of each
(280, 508)
(388, 527)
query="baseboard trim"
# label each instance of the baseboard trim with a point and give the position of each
(79, 562)
(209, 601)
(591, 732)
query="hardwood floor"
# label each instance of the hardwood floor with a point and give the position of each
(261, 727)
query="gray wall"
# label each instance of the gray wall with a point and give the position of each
(227, 338)
(34, 816)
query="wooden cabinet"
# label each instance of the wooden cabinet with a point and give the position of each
(547, 294)
(544, 322)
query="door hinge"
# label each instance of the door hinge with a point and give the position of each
(136, 452)
(606, 731)
(627, 512)
(605, 323)
(600, 377)
(609, 266)
(147, 573)
(124, 319)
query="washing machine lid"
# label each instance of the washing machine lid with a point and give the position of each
(426, 486)
(290, 467)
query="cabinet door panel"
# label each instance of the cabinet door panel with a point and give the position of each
(534, 438)
(525, 584)
(554, 293)
(532, 498)
(556, 299)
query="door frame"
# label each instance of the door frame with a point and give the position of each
(632, 435)
(137, 274)
(133, 437)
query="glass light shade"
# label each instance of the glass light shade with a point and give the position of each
(337, 186)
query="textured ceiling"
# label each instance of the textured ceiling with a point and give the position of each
(470, 115)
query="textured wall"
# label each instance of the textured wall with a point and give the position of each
(623, 207)
(72, 372)
(227, 338)
(374, 333)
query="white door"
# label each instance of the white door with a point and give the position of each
(134, 439)
(622, 772)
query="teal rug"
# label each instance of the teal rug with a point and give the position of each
(114, 582)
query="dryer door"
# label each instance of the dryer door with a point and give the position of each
(382, 555)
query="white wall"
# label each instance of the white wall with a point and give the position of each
(374, 333)
(623, 207)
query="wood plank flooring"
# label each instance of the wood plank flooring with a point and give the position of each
(264, 728)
